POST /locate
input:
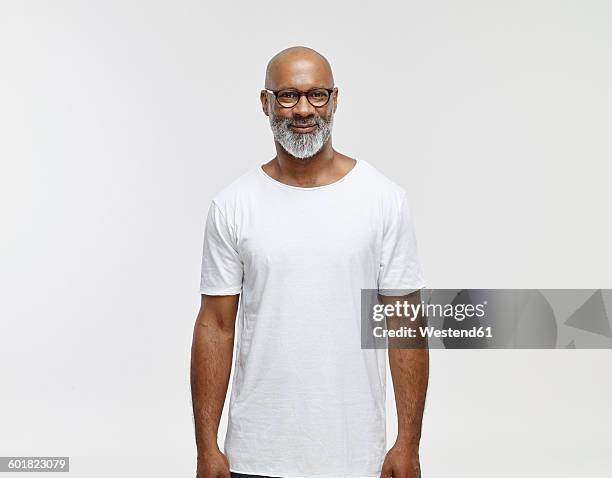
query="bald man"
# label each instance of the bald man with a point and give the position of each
(295, 240)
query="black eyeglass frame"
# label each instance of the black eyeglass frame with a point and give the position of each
(330, 91)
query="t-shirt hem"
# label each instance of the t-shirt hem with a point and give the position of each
(288, 475)
(391, 291)
(229, 291)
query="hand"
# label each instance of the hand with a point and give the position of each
(402, 461)
(213, 464)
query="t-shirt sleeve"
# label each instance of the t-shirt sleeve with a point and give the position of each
(221, 263)
(400, 270)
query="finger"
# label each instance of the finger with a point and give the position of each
(386, 472)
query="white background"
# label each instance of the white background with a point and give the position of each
(120, 120)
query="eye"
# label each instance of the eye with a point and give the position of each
(289, 95)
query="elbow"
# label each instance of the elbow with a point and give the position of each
(215, 324)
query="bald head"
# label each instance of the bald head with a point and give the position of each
(298, 67)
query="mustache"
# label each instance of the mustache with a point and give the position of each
(305, 122)
(314, 120)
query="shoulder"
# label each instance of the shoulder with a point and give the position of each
(236, 192)
(381, 186)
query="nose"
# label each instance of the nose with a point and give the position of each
(303, 107)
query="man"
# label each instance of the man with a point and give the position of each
(297, 239)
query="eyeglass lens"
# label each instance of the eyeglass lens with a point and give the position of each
(317, 98)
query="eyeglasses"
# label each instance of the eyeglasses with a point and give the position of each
(288, 98)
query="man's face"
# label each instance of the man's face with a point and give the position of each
(301, 130)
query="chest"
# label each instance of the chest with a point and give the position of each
(308, 235)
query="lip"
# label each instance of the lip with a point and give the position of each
(303, 129)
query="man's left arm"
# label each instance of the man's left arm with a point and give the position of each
(410, 372)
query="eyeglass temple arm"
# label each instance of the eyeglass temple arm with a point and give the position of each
(329, 90)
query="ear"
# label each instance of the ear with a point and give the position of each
(263, 96)
(335, 99)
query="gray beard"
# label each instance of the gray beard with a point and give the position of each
(301, 145)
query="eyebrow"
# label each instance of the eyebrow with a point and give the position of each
(294, 88)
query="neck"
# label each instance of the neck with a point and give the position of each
(308, 171)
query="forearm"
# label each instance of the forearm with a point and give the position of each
(211, 362)
(409, 364)
(410, 372)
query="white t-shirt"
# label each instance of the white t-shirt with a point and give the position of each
(306, 400)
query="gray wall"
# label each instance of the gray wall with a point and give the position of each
(121, 119)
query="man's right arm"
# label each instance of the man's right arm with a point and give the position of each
(211, 363)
